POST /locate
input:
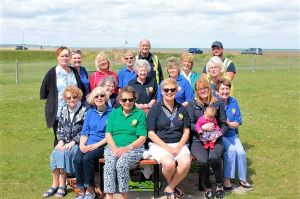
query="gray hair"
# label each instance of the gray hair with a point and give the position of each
(173, 62)
(107, 79)
(141, 63)
(94, 93)
(215, 60)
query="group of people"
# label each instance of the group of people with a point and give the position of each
(112, 115)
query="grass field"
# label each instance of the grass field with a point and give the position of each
(269, 102)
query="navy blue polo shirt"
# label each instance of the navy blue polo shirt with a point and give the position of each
(125, 75)
(146, 92)
(160, 123)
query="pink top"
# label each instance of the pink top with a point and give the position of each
(97, 76)
(201, 121)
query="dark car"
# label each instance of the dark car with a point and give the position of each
(195, 50)
(252, 51)
(21, 48)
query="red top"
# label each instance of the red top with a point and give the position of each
(97, 76)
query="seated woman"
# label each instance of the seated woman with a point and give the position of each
(109, 84)
(92, 141)
(234, 151)
(184, 92)
(69, 126)
(168, 128)
(207, 157)
(125, 134)
(145, 86)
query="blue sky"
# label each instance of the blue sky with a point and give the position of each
(272, 24)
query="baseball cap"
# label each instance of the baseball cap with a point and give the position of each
(217, 43)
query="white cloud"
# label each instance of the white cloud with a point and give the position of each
(171, 23)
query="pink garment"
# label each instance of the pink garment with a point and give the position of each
(201, 121)
(97, 76)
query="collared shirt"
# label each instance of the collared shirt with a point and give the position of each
(125, 75)
(146, 92)
(94, 125)
(97, 76)
(191, 77)
(184, 93)
(233, 114)
(63, 79)
(167, 130)
(84, 79)
(126, 129)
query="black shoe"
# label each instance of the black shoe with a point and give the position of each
(209, 194)
(228, 188)
(220, 194)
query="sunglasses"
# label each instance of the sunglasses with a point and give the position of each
(166, 90)
(99, 96)
(127, 58)
(127, 99)
(72, 97)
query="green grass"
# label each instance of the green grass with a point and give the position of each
(270, 132)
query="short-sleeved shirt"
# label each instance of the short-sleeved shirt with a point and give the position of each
(167, 130)
(233, 115)
(146, 92)
(184, 93)
(126, 129)
(94, 125)
(125, 75)
(191, 77)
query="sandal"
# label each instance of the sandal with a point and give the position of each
(61, 192)
(246, 185)
(51, 191)
(179, 193)
(170, 194)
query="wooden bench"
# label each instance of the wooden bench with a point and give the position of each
(155, 177)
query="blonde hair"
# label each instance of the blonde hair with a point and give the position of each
(200, 84)
(94, 93)
(128, 53)
(99, 57)
(74, 90)
(215, 61)
(187, 57)
(169, 81)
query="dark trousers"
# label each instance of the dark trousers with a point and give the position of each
(85, 164)
(54, 127)
(207, 157)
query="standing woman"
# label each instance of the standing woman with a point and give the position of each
(168, 126)
(53, 85)
(102, 64)
(187, 62)
(84, 78)
(146, 87)
(207, 157)
(184, 92)
(234, 150)
(125, 134)
(69, 126)
(92, 143)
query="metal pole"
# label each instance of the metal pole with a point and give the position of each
(17, 71)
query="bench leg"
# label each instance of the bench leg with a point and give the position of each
(156, 180)
(101, 176)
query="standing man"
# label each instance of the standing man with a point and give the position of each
(217, 50)
(144, 53)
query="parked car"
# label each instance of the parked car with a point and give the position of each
(195, 50)
(21, 48)
(253, 51)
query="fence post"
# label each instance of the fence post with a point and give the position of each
(290, 63)
(17, 71)
(273, 63)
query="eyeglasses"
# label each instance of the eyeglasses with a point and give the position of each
(76, 52)
(99, 96)
(72, 97)
(127, 99)
(127, 58)
(166, 90)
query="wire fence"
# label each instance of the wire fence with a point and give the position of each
(29, 72)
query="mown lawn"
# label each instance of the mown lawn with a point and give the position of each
(270, 133)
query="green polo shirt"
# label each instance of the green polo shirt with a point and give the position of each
(126, 130)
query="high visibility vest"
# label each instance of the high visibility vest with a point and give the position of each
(155, 68)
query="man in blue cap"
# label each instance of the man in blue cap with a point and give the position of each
(217, 50)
